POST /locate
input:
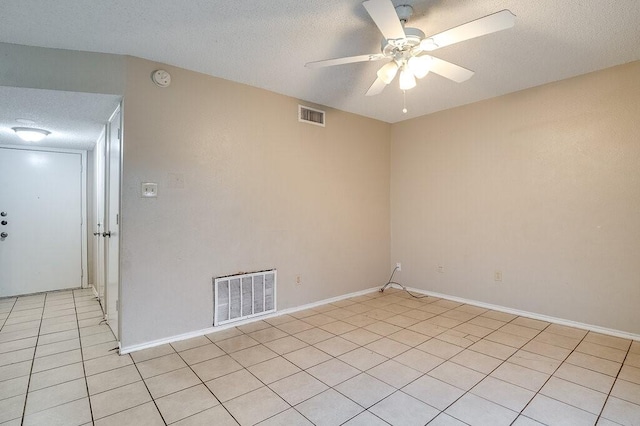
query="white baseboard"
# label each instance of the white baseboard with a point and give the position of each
(202, 332)
(560, 321)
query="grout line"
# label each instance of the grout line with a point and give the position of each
(614, 382)
(84, 371)
(33, 360)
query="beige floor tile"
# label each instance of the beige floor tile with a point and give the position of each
(56, 376)
(329, 408)
(94, 329)
(268, 334)
(402, 409)
(573, 394)
(57, 347)
(531, 323)
(633, 359)
(601, 351)
(591, 362)
(419, 315)
(565, 342)
(232, 385)
(444, 419)
(503, 393)
(427, 328)
(394, 373)
(365, 389)
(458, 338)
(387, 347)
(313, 335)
(288, 417)
(112, 379)
(362, 358)
(161, 365)
(298, 387)
(630, 374)
(97, 351)
(382, 328)
(11, 408)
(333, 371)
(16, 356)
(487, 322)
(621, 412)
(507, 339)
(473, 329)
(360, 320)
(338, 327)
(319, 319)
(493, 349)
(584, 377)
(52, 396)
(15, 345)
(519, 330)
(475, 410)
(170, 382)
(419, 360)
(456, 375)
(216, 367)
(520, 376)
(628, 391)
(433, 392)
(307, 357)
(236, 343)
(295, 326)
(564, 330)
(144, 414)
(445, 322)
(610, 341)
(545, 349)
(58, 337)
(476, 361)
(155, 352)
(256, 406)
(535, 361)
(408, 337)
(119, 399)
(228, 333)
(96, 339)
(552, 412)
(440, 348)
(253, 326)
(12, 371)
(361, 336)
(526, 421)
(273, 369)
(185, 403)
(402, 321)
(72, 413)
(201, 353)
(339, 314)
(459, 315)
(217, 416)
(194, 342)
(253, 355)
(285, 345)
(336, 346)
(106, 363)
(14, 387)
(305, 313)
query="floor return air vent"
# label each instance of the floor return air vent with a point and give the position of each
(242, 296)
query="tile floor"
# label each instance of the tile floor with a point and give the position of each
(371, 360)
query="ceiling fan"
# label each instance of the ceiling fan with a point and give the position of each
(408, 47)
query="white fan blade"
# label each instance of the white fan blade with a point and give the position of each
(489, 24)
(377, 87)
(384, 15)
(347, 60)
(451, 71)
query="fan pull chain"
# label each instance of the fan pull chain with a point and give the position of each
(404, 101)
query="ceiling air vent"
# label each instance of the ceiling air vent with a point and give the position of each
(310, 115)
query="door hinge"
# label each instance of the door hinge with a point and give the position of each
(117, 219)
(117, 305)
(119, 133)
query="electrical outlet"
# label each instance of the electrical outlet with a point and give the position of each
(497, 276)
(149, 190)
(440, 269)
(399, 266)
(298, 280)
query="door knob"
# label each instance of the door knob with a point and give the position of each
(97, 233)
(106, 234)
(3, 235)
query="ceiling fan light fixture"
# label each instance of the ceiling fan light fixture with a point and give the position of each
(420, 65)
(407, 79)
(428, 44)
(29, 134)
(388, 72)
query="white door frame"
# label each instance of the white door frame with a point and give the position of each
(83, 198)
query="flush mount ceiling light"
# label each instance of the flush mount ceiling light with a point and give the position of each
(29, 134)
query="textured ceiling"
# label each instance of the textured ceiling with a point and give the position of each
(266, 43)
(75, 120)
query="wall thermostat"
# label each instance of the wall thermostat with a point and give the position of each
(161, 78)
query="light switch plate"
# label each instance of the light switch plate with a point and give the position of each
(149, 190)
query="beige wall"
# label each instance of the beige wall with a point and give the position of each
(542, 184)
(260, 191)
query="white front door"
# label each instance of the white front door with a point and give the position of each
(40, 221)
(112, 221)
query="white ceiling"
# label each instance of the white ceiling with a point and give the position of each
(266, 43)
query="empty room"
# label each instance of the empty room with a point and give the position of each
(340, 212)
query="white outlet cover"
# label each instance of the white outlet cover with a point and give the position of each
(149, 190)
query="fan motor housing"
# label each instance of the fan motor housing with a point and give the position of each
(413, 36)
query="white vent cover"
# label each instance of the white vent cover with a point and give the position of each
(238, 297)
(311, 115)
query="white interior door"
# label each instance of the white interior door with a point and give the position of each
(99, 208)
(40, 221)
(112, 221)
